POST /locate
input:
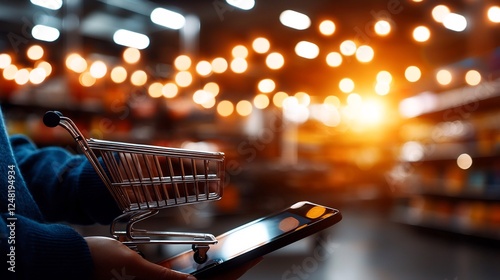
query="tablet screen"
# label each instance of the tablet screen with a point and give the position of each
(252, 235)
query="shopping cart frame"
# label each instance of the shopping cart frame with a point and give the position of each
(135, 194)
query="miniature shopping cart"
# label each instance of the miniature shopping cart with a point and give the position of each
(144, 179)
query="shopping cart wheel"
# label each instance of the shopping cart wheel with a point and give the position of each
(52, 118)
(200, 253)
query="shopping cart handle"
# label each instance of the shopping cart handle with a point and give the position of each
(52, 118)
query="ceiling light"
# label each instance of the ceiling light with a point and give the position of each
(168, 18)
(45, 33)
(455, 22)
(494, 14)
(295, 20)
(131, 39)
(242, 4)
(52, 4)
(307, 49)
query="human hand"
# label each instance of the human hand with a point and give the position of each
(114, 260)
(231, 274)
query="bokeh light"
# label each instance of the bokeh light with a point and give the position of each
(364, 54)
(240, 51)
(266, 85)
(473, 77)
(182, 62)
(327, 27)
(131, 55)
(139, 78)
(219, 65)
(169, 90)
(118, 74)
(334, 59)
(444, 77)
(382, 27)
(35, 52)
(9, 73)
(348, 48)
(98, 69)
(421, 34)
(278, 98)
(76, 63)
(155, 90)
(244, 108)
(261, 101)
(5, 60)
(346, 85)
(494, 14)
(412, 73)
(204, 68)
(275, 60)
(464, 161)
(183, 78)
(225, 108)
(239, 65)
(261, 45)
(439, 12)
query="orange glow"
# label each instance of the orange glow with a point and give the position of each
(473, 77)
(183, 78)
(346, 85)
(244, 108)
(239, 65)
(261, 45)
(182, 62)
(239, 51)
(439, 12)
(76, 63)
(421, 34)
(348, 48)
(35, 52)
(204, 68)
(261, 101)
(382, 27)
(155, 90)
(139, 78)
(131, 55)
(327, 27)
(275, 61)
(86, 79)
(118, 74)
(98, 69)
(5, 60)
(278, 98)
(9, 73)
(212, 87)
(334, 59)
(494, 14)
(45, 66)
(413, 73)
(225, 108)
(444, 77)
(170, 90)
(266, 85)
(303, 98)
(219, 65)
(364, 54)
(315, 212)
(37, 76)
(22, 76)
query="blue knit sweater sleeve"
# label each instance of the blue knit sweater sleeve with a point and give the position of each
(64, 185)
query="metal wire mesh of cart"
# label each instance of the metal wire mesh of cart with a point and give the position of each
(150, 177)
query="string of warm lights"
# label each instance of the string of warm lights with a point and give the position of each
(90, 71)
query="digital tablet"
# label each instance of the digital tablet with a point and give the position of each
(257, 238)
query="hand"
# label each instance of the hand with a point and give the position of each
(112, 259)
(231, 274)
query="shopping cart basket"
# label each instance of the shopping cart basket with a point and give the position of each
(144, 179)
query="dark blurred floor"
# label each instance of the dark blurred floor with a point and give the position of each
(367, 245)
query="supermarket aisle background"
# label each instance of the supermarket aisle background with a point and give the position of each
(366, 244)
